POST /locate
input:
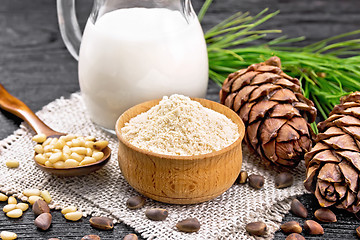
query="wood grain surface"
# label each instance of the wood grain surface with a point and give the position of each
(36, 67)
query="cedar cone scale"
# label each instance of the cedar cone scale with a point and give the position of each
(275, 113)
(333, 164)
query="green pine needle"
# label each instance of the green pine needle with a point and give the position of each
(327, 70)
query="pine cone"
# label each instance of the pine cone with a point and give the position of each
(333, 165)
(273, 110)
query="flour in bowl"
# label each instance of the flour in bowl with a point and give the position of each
(180, 126)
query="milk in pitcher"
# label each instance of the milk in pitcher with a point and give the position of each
(133, 55)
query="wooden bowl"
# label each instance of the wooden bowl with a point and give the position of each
(180, 179)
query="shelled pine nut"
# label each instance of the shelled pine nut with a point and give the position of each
(3, 197)
(73, 216)
(22, 206)
(12, 200)
(12, 163)
(54, 152)
(9, 207)
(16, 213)
(31, 192)
(6, 235)
(69, 209)
(46, 196)
(33, 199)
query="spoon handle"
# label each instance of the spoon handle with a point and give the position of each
(18, 108)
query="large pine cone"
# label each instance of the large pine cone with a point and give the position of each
(274, 111)
(333, 165)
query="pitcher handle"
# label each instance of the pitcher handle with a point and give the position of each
(69, 26)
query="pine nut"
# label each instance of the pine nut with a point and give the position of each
(68, 137)
(12, 163)
(5, 235)
(47, 141)
(9, 207)
(79, 150)
(33, 199)
(90, 138)
(89, 152)
(12, 200)
(48, 148)
(16, 213)
(87, 160)
(66, 150)
(69, 209)
(48, 164)
(98, 155)
(65, 157)
(39, 148)
(39, 138)
(75, 142)
(74, 216)
(55, 157)
(71, 163)
(3, 197)
(40, 158)
(89, 144)
(59, 144)
(22, 206)
(76, 156)
(100, 145)
(54, 152)
(31, 192)
(46, 196)
(59, 164)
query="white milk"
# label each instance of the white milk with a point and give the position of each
(133, 55)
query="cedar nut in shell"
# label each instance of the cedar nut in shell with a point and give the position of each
(325, 215)
(313, 228)
(256, 181)
(284, 180)
(256, 228)
(102, 223)
(291, 227)
(298, 208)
(188, 225)
(295, 236)
(156, 214)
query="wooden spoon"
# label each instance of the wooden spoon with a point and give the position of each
(18, 108)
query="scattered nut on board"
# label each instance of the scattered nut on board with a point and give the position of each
(298, 208)
(43, 221)
(22, 206)
(6, 235)
(16, 213)
(91, 237)
(3, 197)
(131, 236)
(12, 200)
(68, 209)
(33, 199)
(102, 223)
(40, 206)
(73, 216)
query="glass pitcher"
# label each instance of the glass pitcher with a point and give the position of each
(132, 51)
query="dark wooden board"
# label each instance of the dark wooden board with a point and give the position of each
(36, 67)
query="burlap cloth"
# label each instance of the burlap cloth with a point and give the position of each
(106, 191)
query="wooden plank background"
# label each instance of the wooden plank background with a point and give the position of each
(36, 67)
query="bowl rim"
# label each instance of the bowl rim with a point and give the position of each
(239, 123)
